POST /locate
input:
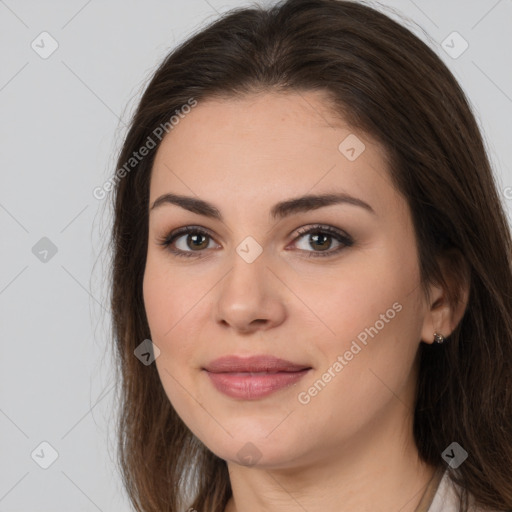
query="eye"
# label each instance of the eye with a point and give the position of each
(193, 234)
(197, 239)
(321, 237)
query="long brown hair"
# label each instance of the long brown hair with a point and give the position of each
(386, 82)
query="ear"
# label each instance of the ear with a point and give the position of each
(443, 315)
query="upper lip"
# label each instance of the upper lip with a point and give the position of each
(260, 363)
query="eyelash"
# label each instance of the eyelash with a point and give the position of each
(344, 239)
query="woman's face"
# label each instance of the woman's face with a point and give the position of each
(344, 305)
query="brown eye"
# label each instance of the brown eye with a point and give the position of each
(320, 237)
(195, 241)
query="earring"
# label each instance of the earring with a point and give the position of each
(438, 338)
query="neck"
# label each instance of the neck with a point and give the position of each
(380, 470)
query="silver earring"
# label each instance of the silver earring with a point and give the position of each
(438, 338)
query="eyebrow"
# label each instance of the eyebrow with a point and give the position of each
(279, 211)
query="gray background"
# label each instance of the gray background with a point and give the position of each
(62, 121)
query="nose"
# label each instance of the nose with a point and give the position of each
(250, 297)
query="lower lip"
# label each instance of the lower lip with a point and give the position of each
(251, 387)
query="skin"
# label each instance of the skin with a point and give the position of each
(351, 447)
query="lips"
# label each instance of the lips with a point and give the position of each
(253, 364)
(250, 378)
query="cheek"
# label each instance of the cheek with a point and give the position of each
(166, 298)
(377, 356)
(157, 302)
(374, 312)
(375, 291)
(176, 311)
(166, 305)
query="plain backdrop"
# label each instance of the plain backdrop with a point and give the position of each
(63, 117)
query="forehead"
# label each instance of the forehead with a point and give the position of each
(265, 147)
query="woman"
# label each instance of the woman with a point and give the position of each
(312, 267)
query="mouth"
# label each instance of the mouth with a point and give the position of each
(253, 377)
(253, 364)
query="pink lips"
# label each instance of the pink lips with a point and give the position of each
(253, 377)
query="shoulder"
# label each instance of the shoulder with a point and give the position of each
(447, 495)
